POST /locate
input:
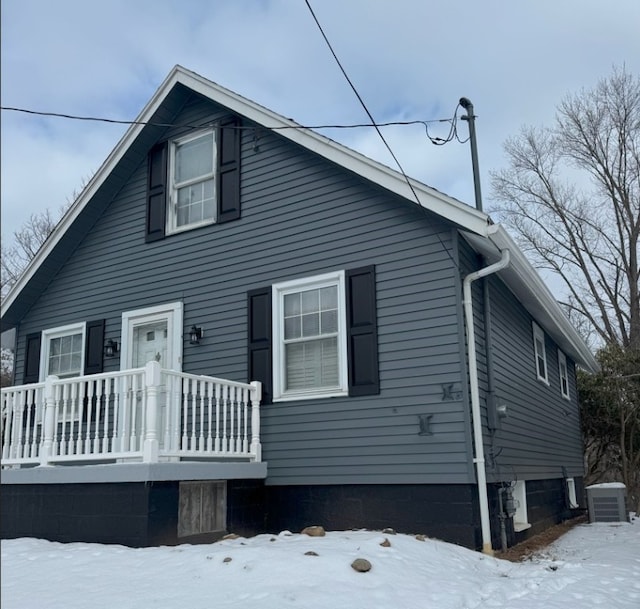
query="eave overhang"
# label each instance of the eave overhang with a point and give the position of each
(527, 286)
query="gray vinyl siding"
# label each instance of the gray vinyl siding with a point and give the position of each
(541, 433)
(301, 216)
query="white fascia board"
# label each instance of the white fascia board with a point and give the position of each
(464, 216)
(546, 305)
(457, 212)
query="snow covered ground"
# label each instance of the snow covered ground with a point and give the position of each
(592, 566)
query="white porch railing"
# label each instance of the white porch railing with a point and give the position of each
(147, 414)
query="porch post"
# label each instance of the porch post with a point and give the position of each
(49, 420)
(152, 379)
(256, 396)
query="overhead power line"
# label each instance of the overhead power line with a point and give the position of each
(452, 131)
(99, 119)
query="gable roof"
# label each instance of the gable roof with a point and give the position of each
(485, 237)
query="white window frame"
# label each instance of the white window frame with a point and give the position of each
(538, 335)
(562, 364)
(172, 200)
(47, 335)
(520, 518)
(278, 292)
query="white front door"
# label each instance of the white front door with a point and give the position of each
(149, 341)
(154, 333)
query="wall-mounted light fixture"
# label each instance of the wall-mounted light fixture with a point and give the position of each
(110, 348)
(195, 335)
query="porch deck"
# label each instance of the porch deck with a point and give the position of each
(145, 415)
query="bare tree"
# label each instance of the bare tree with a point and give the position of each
(571, 193)
(26, 243)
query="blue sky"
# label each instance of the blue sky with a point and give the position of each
(409, 59)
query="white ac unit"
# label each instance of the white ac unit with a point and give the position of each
(607, 502)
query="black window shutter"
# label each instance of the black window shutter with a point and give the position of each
(94, 347)
(260, 340)
(157, 193)
(32, 358)
(228, 170)
(362, 332)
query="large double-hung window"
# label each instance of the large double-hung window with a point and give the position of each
(193, 161)
(310, 345)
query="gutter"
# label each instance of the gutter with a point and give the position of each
(475, 395)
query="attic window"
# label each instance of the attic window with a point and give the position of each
(192, 177)
(540, 354)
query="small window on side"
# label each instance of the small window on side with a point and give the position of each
(540, 354)
(564, 375)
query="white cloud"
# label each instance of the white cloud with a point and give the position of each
(409, 59)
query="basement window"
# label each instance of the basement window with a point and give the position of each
(571, 492)
(202, 508)
(520, 518)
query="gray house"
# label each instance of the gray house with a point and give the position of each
(241, 325)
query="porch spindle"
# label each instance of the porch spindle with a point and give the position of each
(71, 442)
(245, 431)
(216, 444)
(82, 393)
(233, 416)
(201, 404)
(225, 408)
(209, 387)
(19, 451)
(87, 435)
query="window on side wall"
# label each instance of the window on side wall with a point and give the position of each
(62, 351)
(564, 375)
(192, 181)
(310, 338)
(540, 354)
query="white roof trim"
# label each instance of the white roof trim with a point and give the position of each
(463, 215)
(540, 302)
(469, 219)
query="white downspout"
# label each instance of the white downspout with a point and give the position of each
(475, 395)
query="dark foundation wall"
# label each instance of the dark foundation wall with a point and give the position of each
(141, 514)
(135, 514)
(132, 514)
(447, 512)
